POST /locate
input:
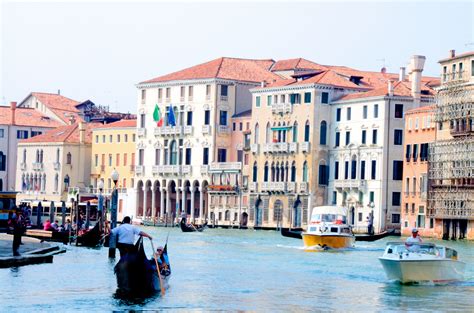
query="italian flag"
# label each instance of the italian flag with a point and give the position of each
(157, 117)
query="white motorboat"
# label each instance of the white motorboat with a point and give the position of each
(421, 262)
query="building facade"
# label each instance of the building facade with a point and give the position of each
(420, 131)
(450, 174)
(113, 147)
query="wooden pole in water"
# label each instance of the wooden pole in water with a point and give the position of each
(158, 269)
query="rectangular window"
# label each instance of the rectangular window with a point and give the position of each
(96, 160)
(207, 117)
(360, 215)
(208, 91)
(143, 95)
(374, 136)
(160, 94)
(133, 159)
(372, 196)
(346, 170)
(157, 156)
(241, 126)
(362, 169)
(353, 169)
(240, 155)
(364, 112)
(336, 170)
(141, 156)
(408, 153)
(376, 110)
(205, 156)
(338, 138)
(118, 138)
(397, 170)
(348, 138)
(35, 133)
(182, 91)
(126, 138)
(2, 133)
(224, 90)
(396, 198)
(348, 114)
(269, 101)
(221, 155)
(373, 172)
(398, 137)
(233, 126)
(168, 93)
(338, 114)
(398, 110)
(187, 158)
(117, 159)
(142, 120)
(190, 92)
(124, 159)
(223, 118)
(364, 137)
(295, 98)
(323, 175)
(324, 97)
(111, 138)
(395, 218)
(307, 97)
(110, 159)
(22, 134)
(415, 152)
(334, 197)
(257, 101)
(189, 118)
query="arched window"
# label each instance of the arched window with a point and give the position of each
(57, 155)
(322, 133)
(43, 187)
(282, 172)
(286, 171)
(277, 172)
(354, 167)
(173, 153)
(295, 132)
(306, 132)
(305, 172)
(257, 129)
(254, 176)
(273, 172)
(56, 183)
(41, 156)
(265, 172)
(24, 156)
(323, 173)
(293, 171)
(69, 158)
(268, 133)
(37, 156)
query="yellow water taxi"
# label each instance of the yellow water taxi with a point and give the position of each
(328, 229)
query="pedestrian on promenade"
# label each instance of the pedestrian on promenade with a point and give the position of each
(126, 236)
(18, 230)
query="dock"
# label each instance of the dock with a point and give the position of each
(32, 251)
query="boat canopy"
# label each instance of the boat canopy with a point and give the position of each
(328, 214)
(329, 209)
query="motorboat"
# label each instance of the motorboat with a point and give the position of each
(421, 262)
(328, 229)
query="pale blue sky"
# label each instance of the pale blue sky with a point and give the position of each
(100, 51)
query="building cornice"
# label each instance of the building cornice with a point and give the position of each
(187, 82)
(384, 98)
(305, 86)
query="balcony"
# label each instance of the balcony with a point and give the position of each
(141, 132)
(274, 186)
(132, 168)
(204, 169)
(186, 169)
(224, 98)
(174, 169)
(223, 129)
(277, 147)
(304, 187)
(253, 186)
(293, 147)
(282, 108)
(206, 129)
(23, 166)
(38, 166)
(291, 186)
(225, 166)
(155, 169)
(139, 169)
(188, 130)
(169, 131)
(254, 148)
(305, 147)
(346, 184)
(57, 166)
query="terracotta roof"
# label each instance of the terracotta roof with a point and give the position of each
(426, 108)
(55, 101)
(26, 117)
(400, 89)
(66, 134)
(224, 68)
(327, 77)
(119, 124)
(296, 64)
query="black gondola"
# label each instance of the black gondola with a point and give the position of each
(286, 232)
(137, 275)
(188, 228)
(92, 238)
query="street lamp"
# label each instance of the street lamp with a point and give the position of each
(113, 208)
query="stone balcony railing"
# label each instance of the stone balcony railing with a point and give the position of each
(173, 169)
(204, 169)
(253, 186)
(188, 130)
(139, 169)
(304, 187)
(453, 213)
(155, 169)
(223, 129)
(282, 108)
(224, 98)
(141, 132)
(274, 186)
(57, 166)
(206, 129)
(280, 147)
(23, 166)
(349, 184)
(225, 166)
(254, 148)
(168, 131)
(38, 166)
(305, 147)
(291, 187)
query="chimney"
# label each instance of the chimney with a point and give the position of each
(262, 84)
(452, 53)
(72, 120)
(13, 110)
(383, 70)
(82, 133)
(417, 63)
(401, 77)
(59, 91)
(390, 88)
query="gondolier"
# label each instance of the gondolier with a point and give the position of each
(126, 236)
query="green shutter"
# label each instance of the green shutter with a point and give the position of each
(307, 97)
(269, 100)
(257, 101)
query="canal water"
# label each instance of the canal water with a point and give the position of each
(235, 270)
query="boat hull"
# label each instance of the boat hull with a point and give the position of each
(327, 241)
(409, 271)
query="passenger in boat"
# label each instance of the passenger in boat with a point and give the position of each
(162, 261)
(413, 240)
(126, 236)
(55, 226)
(47, 225)
(67, 226)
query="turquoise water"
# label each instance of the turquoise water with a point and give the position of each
(236, 270)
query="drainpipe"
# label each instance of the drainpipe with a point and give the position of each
(387, 168)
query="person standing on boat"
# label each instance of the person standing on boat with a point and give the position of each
(126, 236)
(413, 240)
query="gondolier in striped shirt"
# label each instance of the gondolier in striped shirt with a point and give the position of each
(126, 236)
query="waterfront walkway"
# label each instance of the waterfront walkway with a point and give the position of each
(32, 251)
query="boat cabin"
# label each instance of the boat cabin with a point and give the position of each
(400, 248)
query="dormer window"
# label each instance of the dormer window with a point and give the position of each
(355, 79)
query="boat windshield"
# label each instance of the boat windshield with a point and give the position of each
(416, 247)
(328, 218)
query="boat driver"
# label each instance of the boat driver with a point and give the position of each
(126, 236)
(412, 242)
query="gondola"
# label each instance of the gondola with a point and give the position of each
(92, 238)
(188, 228)
(48, 235)
(137, 276)
(286, 232)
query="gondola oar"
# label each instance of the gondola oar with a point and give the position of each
(158, 269)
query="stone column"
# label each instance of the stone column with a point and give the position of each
(144, 200)
(201, 206)
(177, 202)
(183, 200)
(192, 204)
(168, 204)
(153, 205)
(162, 202)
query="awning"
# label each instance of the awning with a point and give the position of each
(281, 128)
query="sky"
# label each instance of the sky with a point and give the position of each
(101, 50)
